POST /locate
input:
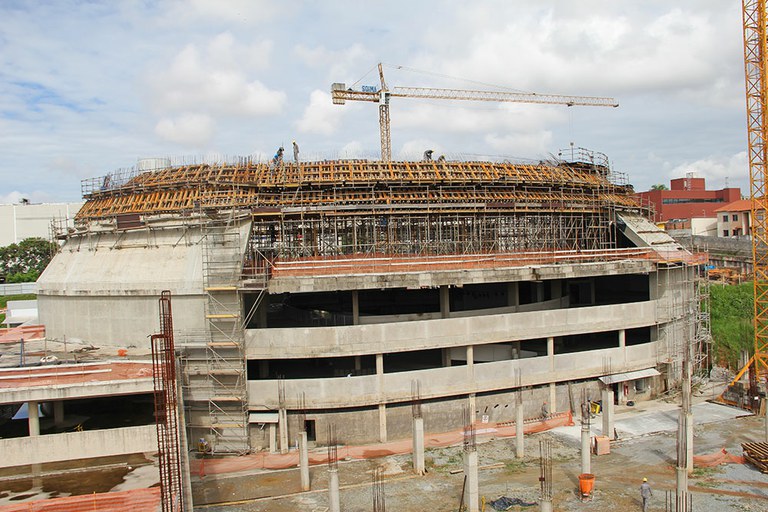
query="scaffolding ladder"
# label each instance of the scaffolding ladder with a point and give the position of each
(225, 355)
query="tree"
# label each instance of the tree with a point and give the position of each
(659, 186)
(25, 261)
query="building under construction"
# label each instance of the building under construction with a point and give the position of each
(316, 293)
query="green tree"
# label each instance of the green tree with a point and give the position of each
(659, 186)
(732, 329)
(25, 261)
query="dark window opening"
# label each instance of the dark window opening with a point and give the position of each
(479, 296)
(309, 427)
(399, 301)
(315, 368)
(411, 361)
(637, 336)
(585, 342)
(533, 348)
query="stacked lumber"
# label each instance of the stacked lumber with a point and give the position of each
(757, 454)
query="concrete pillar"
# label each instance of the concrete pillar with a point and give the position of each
(382, 405)
(446, 357)
(262, 311)
(513, 294)
(273, 438)
(552, 398)
(689, 442)
(545, 505)
(519, 431)
(382, 423)
(681, 487)
(445, 302)
(355, 308)
(607, 398)
(470, 351)
(304, 461)
(418, 446)
(34, 418)
(472, 402)
(333, 490)
(551, 353)
(472, 491)
(516, 349)
(282, 425)
(538, 291)
(586, 456)
(58, 413)
(358, 364)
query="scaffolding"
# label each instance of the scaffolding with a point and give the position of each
(225, 357)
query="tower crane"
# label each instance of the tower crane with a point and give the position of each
(340, 94)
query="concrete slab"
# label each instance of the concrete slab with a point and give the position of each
(652, 421)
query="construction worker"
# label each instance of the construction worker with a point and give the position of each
(295, 152)
(645, 493)
(428, 155)
(441, 159)
(278, 158)
(544, 410)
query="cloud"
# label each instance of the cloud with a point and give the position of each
(231, 11)
(338, 64)
(321, 116)
(189, 129)
(718, 170)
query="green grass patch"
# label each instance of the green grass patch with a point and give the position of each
(731, 314)
(24, 296)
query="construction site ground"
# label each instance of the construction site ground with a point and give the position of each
(646, 448)
(649, 451)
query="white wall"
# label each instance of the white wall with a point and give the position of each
(19, 451)
(20, 221)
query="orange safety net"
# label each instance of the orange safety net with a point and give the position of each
(717, 458)
(135, 500)
(264, 460)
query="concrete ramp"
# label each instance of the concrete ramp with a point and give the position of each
(644, 233)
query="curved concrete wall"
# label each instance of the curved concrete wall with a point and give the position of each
(450, 381)
(350, 340)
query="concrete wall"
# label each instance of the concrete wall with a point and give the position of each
(20, 221)
(369, 390)
(103, 287)
(451, 332)
(21, 451)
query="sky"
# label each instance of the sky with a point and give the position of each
(91, 87)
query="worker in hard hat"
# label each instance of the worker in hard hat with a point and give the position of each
(295, 152)
(645, 493)
(428, 155)
(278, 158)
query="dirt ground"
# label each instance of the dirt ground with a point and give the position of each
(732, 487)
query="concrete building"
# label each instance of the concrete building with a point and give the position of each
(734, 219)
(688, 198)
(25, 220)
(320, 293)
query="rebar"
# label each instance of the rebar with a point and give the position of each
(333, 448)
(545, 469)
(416, 399)
(470, 434)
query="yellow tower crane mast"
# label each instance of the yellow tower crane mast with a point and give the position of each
(341, 94)
(754, 18)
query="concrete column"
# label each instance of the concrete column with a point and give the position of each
(513, 294)
(516, 349)
(681, 487)
(519, 431)
(304, 461)
(551, 353)
(446, 357)
(586, 456)
(545, 505)
(472, 402)
(34, 418)
(355, 308)
(538, 291)
(552, 398)
(382, 423)
(358, 364)
(607, 397)
(556, 288)
(623, 345)
(418, 446)
(471, 363)
(472, 492)
(382, 405)
(333, 490)
(282, 425)
(58, 412)
(262, 311)
(689, 442)
(445, 302)
(273, 438)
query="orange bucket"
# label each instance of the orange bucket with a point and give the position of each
(586, 484)
(122, 352)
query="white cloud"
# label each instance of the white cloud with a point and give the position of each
(321, 116)
(231, 11)
(414, 149)
(351, 149)
(718, 170)
(338, 64)
(189, 129)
